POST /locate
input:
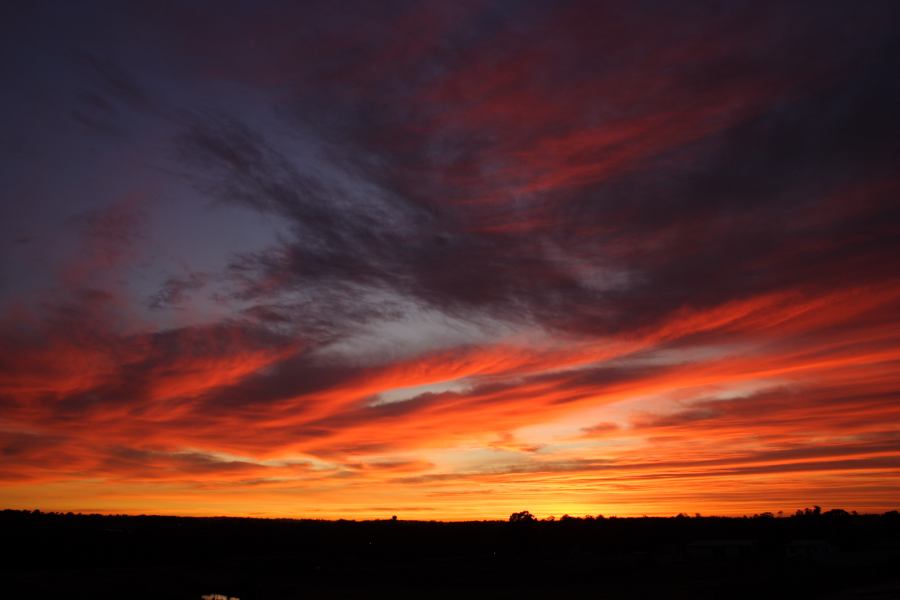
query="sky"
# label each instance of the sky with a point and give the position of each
(449, 260)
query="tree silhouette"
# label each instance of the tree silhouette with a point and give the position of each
(522, 517)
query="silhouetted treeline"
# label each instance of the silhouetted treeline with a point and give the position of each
(812, 553)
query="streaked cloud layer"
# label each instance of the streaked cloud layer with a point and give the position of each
(450, 260)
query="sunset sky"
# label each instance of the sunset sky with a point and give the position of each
(449, 260)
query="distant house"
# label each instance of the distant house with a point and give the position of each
(722, 549)
(809, 549)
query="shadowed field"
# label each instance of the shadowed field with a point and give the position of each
(809, 555)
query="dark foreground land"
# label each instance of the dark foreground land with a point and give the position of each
(810, 555)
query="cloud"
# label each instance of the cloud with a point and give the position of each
(637, 258)
(110, 89)
(175, 291)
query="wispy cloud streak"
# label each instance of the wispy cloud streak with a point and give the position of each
(456, 260)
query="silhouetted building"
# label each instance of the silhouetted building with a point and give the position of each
(722, 549)
(809, 549)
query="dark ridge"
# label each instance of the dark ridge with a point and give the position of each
(811, 554)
